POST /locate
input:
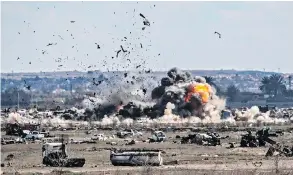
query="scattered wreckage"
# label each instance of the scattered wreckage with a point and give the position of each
(99, 137)
(34, 135)
(12, 140)
(55, 155)
(259, 139)
(128, 133)
(7, 140)
(280, 150)
(209, 139)
(136, 157)
(158, 136)
(18, 129)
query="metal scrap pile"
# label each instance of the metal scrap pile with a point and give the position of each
(260, 139)
(282, 150)
(209, 139)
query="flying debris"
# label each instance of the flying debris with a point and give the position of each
(60, 65)
(28, 87)
(19, 33)
(98, 46)
(51, 44)
(218, 34)
(123, 49)
(142, 16)
(17, 58)
(96, 84)
(72, 21)
(138, 66)
(140, 45)
(144, 91)
(117, 53)
(60, 37)
(145, 22)
(30, 63)
(148, 71)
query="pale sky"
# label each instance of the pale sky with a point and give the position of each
(255, 35)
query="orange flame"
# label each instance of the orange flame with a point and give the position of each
(203, 89)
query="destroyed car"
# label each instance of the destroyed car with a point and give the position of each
(99, 137)
(158, 136)
(34, 135)
(128, 133)
(19, 140)
(7, 140)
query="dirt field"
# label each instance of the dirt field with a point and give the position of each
(191, 158)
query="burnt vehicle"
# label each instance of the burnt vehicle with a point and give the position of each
(209, 139)
(260, 138)
(18, 129)
(157, 136)
(128, 133)
(55, 155)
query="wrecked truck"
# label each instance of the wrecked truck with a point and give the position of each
(136, 157)
(55, 155)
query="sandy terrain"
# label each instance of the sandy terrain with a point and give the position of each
(191, 158)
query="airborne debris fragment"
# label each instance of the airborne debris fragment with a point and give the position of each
(122, 48)
(98, 46)
(142, 15)
(218, 34)
(50, 44)
(117, 53)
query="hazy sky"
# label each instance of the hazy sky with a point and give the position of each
(255, 35)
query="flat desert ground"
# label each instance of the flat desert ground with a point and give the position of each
(189, 158)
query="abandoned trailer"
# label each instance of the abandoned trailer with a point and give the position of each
(136, 157)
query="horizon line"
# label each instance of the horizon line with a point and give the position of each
(160, 70)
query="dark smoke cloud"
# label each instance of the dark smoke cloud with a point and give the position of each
(172, 89)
